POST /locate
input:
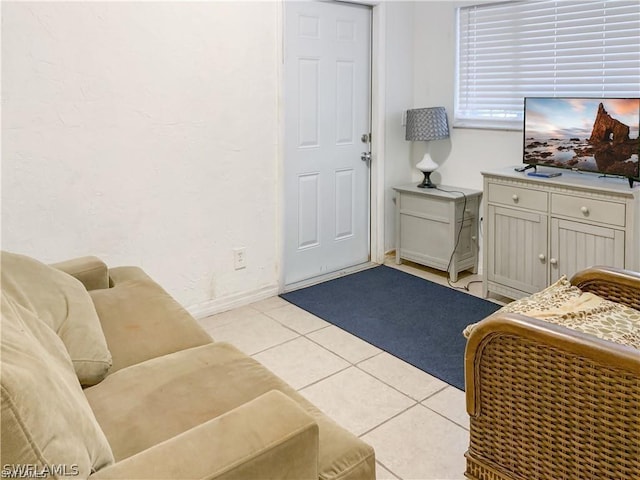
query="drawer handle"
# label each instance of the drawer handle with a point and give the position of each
(515, 198)
(585, 210)
(542, 257)
(553, 261)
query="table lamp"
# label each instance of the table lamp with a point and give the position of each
(425, 124)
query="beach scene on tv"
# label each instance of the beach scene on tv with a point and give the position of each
(597, 135)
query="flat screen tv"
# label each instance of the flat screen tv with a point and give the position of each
(587, 134)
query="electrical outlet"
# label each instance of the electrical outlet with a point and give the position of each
(239, 258)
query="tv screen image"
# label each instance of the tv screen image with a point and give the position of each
(588, 134)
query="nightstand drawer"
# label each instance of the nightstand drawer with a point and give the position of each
(518, 197)
(588, 209)
(415, 204)
(470, 209)
(438, 208)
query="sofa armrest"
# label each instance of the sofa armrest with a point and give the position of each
(91, 271)
(270, 437)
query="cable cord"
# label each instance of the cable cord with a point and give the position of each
(464, 208)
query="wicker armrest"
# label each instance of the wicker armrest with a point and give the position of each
(615, 284)
(550, 335)
(547, 402)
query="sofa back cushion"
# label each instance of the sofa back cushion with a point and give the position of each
(65, 306)
(46, 418)
(141, 321)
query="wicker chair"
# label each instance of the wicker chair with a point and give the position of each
(547, 402)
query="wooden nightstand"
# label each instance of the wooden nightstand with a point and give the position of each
(428, 222)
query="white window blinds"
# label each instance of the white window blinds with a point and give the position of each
(511, 50)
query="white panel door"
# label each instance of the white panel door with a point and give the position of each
(327, 110)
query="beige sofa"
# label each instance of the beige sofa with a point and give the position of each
(161, 399)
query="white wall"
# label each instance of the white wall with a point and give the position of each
(399, 59)
(425, 32)
(145, 133)
(468, 151)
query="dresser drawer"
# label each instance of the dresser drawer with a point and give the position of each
(588, 209)
(518, 197)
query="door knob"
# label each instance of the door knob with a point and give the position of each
(365, 156)
(553, 261)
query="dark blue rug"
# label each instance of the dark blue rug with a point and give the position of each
(416, 320)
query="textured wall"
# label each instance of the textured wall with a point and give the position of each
(399, 166)
(145, 133)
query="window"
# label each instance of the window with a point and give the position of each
(511, 50)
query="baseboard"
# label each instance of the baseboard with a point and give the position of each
(328, 276)
(222, 304)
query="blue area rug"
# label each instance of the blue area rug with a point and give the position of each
(416, 320)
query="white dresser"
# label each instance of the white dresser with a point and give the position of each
(538, 229)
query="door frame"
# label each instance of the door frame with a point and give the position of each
(376, 178)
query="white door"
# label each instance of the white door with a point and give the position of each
(327, 77)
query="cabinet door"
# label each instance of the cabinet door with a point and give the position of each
(517, 248)
(576, 246)
(425, 240)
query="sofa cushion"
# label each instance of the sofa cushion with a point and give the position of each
(153, 401)
(65, 306)
(141, 321)
(46, 419)
(564, 304)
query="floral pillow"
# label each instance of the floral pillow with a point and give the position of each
(566, 305)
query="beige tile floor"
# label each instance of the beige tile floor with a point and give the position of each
(416, 423)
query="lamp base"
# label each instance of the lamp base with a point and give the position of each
(426, 181)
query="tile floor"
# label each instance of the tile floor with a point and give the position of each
(416, 423)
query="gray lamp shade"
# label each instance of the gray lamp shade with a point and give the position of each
(427, 124)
